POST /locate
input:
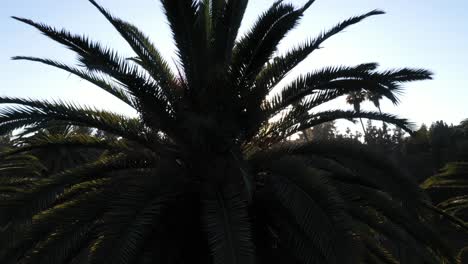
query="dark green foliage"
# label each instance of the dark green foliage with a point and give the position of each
(452, 185)
(203, 174)
(227, 227)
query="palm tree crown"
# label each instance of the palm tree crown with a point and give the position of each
(203, 174)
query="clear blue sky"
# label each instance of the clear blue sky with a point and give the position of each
(417, 33)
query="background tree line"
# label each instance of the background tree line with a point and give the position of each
(424, 153)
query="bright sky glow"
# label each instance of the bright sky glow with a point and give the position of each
(417, 33)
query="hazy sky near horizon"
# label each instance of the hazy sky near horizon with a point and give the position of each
(419, 33)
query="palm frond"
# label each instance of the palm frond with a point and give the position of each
(148, 55)
(312, 217)
(181, 16)
(266, 46)
(96, 58)
(28, 202)
(451, 217)
(344, 162)
(381, 253)
(226, 223)
(247, 45)
(453, 175)
(300, 180)
(376, 222)
(19, 166)
(119, 92)
(130, 219)
(33, 112)
(60, 246)
(332, 82)
(281, 65)
(414, 226)
(52, 225)
(287, 234)
(454, 204)
(46, 142)
(227, 27)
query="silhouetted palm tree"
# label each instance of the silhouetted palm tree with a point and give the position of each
(356, 98)
(375, 99)
(203, 175)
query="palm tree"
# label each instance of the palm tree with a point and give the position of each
(355, 98)
(203, 175)
(375, 99)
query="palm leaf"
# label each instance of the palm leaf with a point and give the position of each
(226, 222)
(281, 65)
(33, 112)
(107, 86)
(181, 16)
(148, 55)
(128, 223)
(96, 58)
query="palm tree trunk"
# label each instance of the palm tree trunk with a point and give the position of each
(363, 129)
(380, 111)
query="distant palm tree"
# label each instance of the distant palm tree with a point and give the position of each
(203, 174)
(375, 98)
(356, 98)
